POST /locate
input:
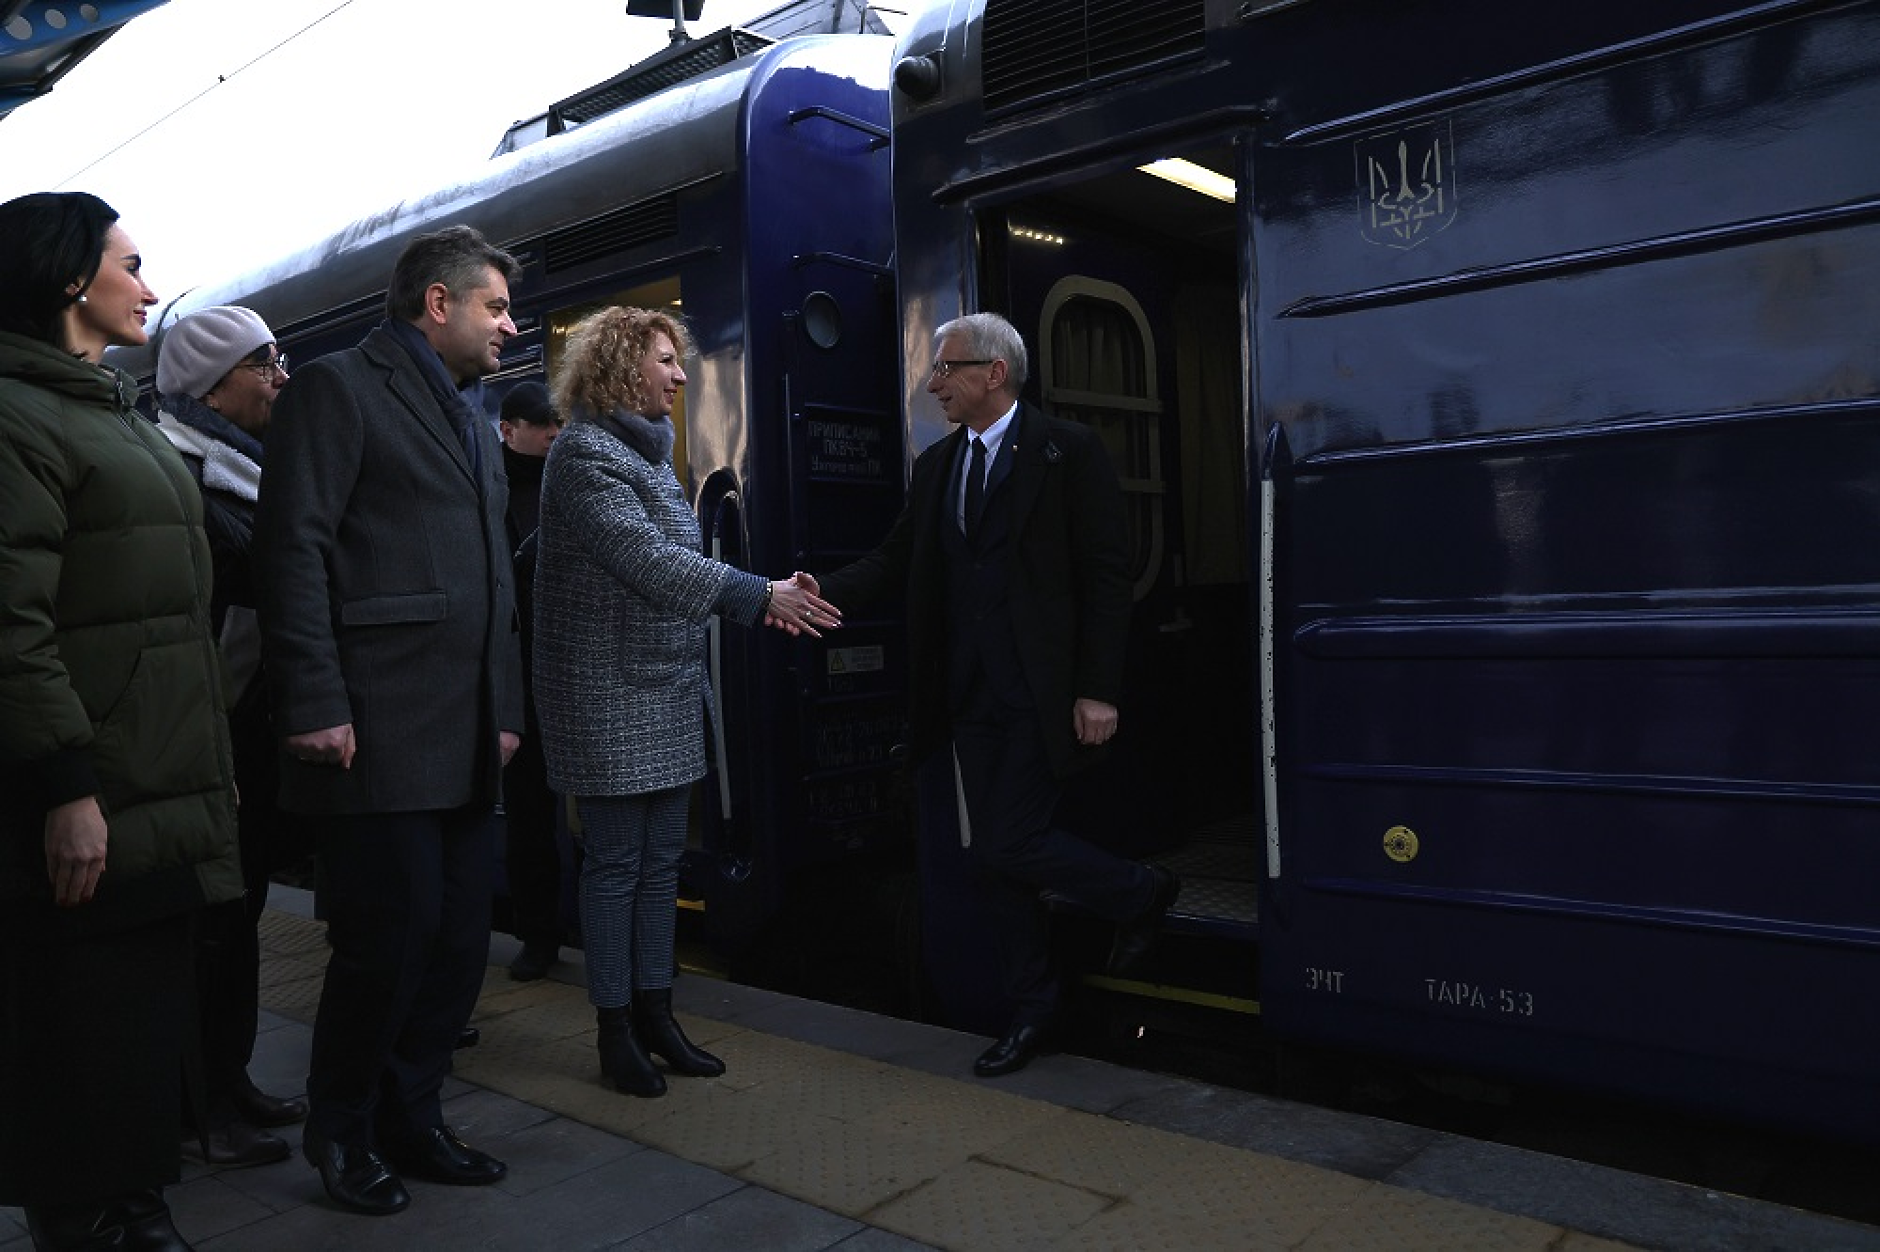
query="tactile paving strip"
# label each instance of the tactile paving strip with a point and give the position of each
(949, 1162)
(988, 1209)
(1389, 1220)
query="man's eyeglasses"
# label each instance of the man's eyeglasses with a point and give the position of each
(265, 369)
(944, 369)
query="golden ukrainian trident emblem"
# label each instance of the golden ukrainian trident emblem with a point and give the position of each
(1407, 185)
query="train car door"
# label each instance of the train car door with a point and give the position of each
(1126, 289)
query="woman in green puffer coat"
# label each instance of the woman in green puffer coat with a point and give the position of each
(117, 817)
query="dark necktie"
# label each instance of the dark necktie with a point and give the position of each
(975, 488)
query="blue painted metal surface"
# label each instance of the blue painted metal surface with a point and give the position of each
(1557, 353)
(1570, 542)
(820, 449)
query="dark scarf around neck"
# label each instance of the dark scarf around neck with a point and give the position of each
(465, 418)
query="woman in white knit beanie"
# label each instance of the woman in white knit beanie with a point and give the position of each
(218, 373)
(224, 357)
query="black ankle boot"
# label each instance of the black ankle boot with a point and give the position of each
(622, 1058)
(140, 1221)
(659, 1031)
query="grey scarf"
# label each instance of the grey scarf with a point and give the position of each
(651, 437)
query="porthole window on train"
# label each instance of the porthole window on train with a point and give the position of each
(1097, 366)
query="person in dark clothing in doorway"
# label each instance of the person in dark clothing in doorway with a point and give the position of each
(529, 425)
(1013, 557)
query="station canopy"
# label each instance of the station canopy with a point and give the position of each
(41, 40)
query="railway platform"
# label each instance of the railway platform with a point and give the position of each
(837, 1129)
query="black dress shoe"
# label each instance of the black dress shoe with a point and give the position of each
(468, 1037)
(356, 1178)
(1130, 956)
(438, 1155)
(237, 1145)
(138, 1221)
(258, 1108)
(534, 961)
(1012, 1053)
(147, 1224)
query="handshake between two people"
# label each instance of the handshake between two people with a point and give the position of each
(796, 606)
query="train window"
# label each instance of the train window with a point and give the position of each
(822, 319)
(1097, 366)
(660, 294)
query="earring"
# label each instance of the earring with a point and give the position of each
(81, 299)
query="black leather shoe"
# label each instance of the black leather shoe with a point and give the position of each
(258, 1108)
(1012, 1053)
(468, 1037)
(438, 1155)
(237, 1145)
(533, 962)
(147, 1224)
(138, 1221)
(356, 1178)
(1131, 955)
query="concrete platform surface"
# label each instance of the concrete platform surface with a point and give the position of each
(837, 1129)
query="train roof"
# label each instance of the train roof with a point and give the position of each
(678, 138)
(794, 19)
(648, 78)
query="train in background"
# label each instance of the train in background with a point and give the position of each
(743, 182)
(1496, 412)
(1499, 410)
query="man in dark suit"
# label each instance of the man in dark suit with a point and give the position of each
(1013, 554)
(388, 623)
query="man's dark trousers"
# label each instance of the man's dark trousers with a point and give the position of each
(407, 900)
(532, 857)
(1010, 788)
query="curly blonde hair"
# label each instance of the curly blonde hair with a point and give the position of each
(599, 370)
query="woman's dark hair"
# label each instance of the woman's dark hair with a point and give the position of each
(49, 240)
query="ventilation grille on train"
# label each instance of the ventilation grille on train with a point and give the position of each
(638, 223)
(655, 74)
(1041, 49)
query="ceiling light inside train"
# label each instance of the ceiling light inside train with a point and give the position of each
(1194, 177)
(1036, 236)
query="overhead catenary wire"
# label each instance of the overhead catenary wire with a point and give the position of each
(220, 79)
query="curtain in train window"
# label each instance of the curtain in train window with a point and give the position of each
(1098, 367)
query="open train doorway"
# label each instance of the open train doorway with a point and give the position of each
(1127, 287)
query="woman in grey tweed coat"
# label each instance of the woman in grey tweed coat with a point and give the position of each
(622, 597)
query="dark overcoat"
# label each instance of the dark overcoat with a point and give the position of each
(1069, 581)
(386, 589)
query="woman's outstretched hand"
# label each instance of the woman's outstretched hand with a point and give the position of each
(797, 607)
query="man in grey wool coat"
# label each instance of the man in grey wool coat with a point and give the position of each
(389, 629)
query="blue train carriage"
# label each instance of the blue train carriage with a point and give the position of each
(753, 197)
(1501, 453)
